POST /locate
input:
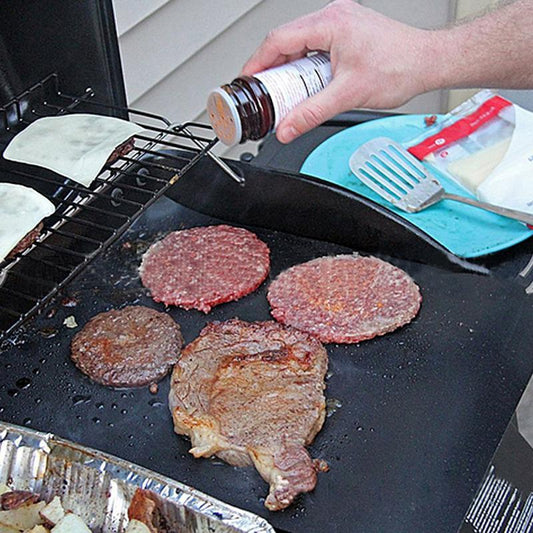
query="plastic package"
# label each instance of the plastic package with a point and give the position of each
(485, 145)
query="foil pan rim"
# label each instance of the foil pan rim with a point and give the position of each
(173, 492)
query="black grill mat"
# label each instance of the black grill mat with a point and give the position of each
(416, 415)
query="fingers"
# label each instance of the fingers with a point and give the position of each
(314, 111)
(280, 59)
(270, 54)
(288, 42)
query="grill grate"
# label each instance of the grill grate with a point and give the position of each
(87, 220)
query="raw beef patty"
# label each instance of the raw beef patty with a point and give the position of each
(252, 393)
(128, 347)
(202, 267)
(344, 299)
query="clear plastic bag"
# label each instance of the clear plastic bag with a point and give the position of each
(486, 145)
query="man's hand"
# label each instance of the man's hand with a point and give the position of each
(380, 63)
(375, 61)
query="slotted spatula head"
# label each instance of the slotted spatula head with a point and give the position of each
(393, 173)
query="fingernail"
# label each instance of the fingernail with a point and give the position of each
(287, 134)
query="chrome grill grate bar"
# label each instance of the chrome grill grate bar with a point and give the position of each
(87, 219)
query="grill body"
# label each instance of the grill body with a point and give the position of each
(415, 416)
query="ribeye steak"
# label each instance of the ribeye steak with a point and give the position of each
(253, 393)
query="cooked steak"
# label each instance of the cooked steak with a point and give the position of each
(128, 347)
(26, 241)
(252, 393)
(201, 267)
(345, 299)
(123, 149)
(145, 506)
(14, 499)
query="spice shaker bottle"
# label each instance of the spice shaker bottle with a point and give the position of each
(251, 106)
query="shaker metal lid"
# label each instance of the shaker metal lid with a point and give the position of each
(224, 117)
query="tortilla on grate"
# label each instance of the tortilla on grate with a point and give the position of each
(21, 211)
(76, 146)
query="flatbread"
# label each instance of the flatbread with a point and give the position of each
(76, 146)
(21, 210)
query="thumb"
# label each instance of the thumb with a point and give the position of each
(312, 112)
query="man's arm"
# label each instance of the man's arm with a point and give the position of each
(381, 63)
(495, 50)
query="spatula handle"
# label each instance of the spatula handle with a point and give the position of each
(504, 211)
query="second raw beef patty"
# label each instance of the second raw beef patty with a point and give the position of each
(201, 267)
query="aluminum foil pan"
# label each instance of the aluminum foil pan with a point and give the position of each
(99, 487)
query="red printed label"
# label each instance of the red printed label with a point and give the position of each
(460, 129)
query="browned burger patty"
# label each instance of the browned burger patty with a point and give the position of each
(201, 267)
(253, 393)
(123, 149)
(344, 299)
(128, 347)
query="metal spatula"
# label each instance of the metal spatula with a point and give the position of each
(393, 173)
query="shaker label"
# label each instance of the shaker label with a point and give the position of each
(290, 84)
